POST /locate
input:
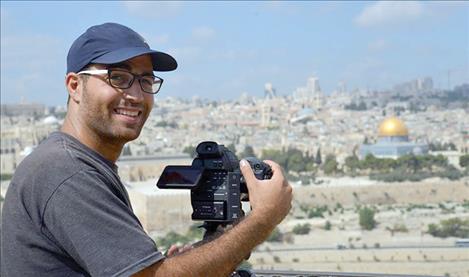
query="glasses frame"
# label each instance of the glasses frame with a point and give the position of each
(134, 76)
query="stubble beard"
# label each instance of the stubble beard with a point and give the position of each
(99, 120)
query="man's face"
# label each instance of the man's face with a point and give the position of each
(115, 115)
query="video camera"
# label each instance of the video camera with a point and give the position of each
(216, 183)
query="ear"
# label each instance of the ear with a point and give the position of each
(74, 86)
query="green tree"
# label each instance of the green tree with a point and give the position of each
(361, 106)
(291, 160)
(318, 159)
(295, 161)
(172, 238)
(302, 229)
(352, 163)
(330, 165)
(232, 148)
(5, 176)
(278, 156)
(317, 211)
(464, 161)
(247, 152)
(275, 236)
(369, 162)
(451, 146)
(453, 227)
(366, 218)
(409, 162)
(195, 232)
(190, 150)
(451, 173)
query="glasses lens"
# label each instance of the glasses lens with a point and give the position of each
(120, 79)
(150, 84)
(124, 79)
(156, 86)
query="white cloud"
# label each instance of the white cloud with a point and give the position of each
(234, 55)
(387, 12)
(186, 54)
(203, 33)
(377, 45)
(156, 40)
(161, 39)
(153, 9)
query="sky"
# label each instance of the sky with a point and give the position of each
(225, 49)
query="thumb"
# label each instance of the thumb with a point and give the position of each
(247, 172)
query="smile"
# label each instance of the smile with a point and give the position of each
(127, 112)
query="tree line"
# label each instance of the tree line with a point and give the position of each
(405, 168)
(304, 166)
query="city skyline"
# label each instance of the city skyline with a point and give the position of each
(225, 49)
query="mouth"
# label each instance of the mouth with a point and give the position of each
(127, 112)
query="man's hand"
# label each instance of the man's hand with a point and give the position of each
(270, 199)
(176, 250)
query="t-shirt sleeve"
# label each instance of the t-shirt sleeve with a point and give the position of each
(96, 228)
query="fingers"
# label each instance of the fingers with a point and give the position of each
(247, 172)
(173, 250)
(277, 172)
(176, 250)
(249, 176)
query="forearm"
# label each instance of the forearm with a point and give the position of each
(270, 201)
(220, 256)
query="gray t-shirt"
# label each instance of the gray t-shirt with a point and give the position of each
(66, 213)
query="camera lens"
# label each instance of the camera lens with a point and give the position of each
(208, 148)
(257, 166)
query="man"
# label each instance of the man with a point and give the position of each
(66, 212)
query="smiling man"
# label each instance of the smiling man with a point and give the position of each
(66, 212)
(103, 119)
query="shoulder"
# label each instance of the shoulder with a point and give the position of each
(40, 174)
(50, 163)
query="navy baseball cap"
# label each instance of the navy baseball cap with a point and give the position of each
(111, 43)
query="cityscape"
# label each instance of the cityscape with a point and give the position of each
(364, 104)
(331, 147)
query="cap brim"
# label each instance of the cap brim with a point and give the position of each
(161, 61)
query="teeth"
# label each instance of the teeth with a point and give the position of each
(127, 113)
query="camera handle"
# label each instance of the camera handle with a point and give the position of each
(212, 230)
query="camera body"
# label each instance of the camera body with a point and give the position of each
(216, 183)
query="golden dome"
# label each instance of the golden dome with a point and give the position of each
(392, 127)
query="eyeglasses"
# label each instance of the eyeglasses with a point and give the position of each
(122, 79)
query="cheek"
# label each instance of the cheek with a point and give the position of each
(99, 94)
(109, 99)
(149, 101)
